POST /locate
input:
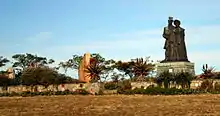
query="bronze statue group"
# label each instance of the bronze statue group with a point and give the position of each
(175, 48)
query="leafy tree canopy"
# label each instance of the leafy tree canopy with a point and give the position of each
(24, 60)
(3, 61)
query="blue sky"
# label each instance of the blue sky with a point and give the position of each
(119, 29)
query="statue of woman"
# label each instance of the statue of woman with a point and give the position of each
(179, 33)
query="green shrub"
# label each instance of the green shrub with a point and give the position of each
(13, 94)
(217, 87)
(207, 85)
(46, 93)
(111, 86)
(58, 92)
(124, 86)
(4, 94)
(161, 91)
(81, 92)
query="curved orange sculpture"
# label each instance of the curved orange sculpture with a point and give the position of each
(85, 62)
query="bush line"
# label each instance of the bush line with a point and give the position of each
(46, 93)
(165, 91)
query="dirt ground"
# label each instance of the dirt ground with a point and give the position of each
(111, 105)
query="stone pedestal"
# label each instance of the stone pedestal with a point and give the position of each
(175, 67)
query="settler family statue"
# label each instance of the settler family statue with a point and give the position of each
(176, 58)
(175, 48)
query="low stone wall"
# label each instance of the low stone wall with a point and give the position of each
(109, 92)
(71, 87)
(93, 87)
(142, 84)
(194, 84)
(197, 83)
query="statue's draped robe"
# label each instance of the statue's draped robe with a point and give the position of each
(173, 47)
(180, 38)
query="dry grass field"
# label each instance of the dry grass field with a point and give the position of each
(111, 105)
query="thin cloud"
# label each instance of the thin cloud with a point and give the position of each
(42, 36)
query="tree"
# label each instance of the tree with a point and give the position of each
(64, 65)
(46, 76)
(3, 61)
(125, 67)
(217, 75)
(208, 72)
(108, 68)
(99, 67)
(116, 77)
(74, 62)
(99, 58)
(29, 77)
(141, 68)
(4, 81)
(24, 60)
(39, 76)
(165, 78)
(95, 70)
(184, 79)
(138, 68)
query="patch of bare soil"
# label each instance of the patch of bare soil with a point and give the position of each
(111, 105)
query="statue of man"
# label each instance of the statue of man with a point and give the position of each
(179, 33)
(169, 37)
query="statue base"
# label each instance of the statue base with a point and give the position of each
(175, 67)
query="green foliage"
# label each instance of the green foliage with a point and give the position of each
(16, 81)
(116, 77)
(3, 61)
(217, 87)
(217, 75)
(124, 86)
(46, 93)
(125, 67)
(74, 62)
(64, 65)
(39, 76)
(4, 81)
(138, 67)
(141, 68)
(161, 91)
(207, 85)
(44, 76)
(95, 70)
(25, 60)
(208, 72)
(165, 78)
(111, 85)
(184, 79)
(99, 67)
